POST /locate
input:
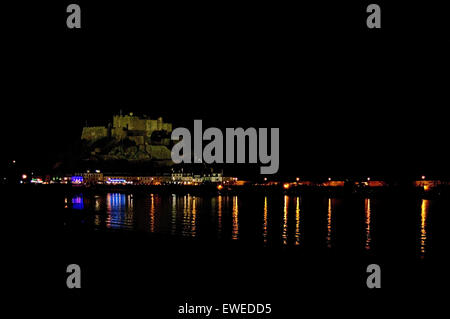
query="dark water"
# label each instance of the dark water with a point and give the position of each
(299, 253)
(360, 224)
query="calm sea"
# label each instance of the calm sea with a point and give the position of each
(364, 224)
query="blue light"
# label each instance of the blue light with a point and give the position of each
(118, 214)
(116, 180)
(77, 202)
(77, 179)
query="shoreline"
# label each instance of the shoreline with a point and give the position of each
(213, 190)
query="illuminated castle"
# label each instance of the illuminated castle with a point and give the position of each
(134, 137)
(127, 126)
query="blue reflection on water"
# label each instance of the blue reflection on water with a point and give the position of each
(77, 202)
(118, 214)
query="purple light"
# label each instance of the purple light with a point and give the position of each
(77, 179)
(77, 202)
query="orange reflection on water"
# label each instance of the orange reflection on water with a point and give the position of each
(285, 220)
(130, 202)
(423, 226)
(194, 218)
(189, 220)
(185, 219)
(368, 216)
(98, 204)
(329, 228)
(297, 222)
(265, 225)
(97, 220)
(235, 215)
(152, 213)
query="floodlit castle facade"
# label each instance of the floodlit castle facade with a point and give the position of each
(136, 128)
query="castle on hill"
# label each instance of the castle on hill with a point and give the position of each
(127, 126)
(129, 137)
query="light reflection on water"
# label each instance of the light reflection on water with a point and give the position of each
(194, 218)
(220, 217)
(189, 216)
(297, 222)
(424, 211)
(367, 222)
(235, 231)
(285, 220)
(152, 213)
(119, 212)
(173, 215)
(78, 202)
(265, 222)
(329, 222)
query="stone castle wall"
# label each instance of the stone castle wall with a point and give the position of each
(94, 133)
(130, 122)
(134, 127)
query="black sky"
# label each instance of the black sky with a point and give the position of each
(347, 100)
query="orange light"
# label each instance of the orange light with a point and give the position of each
(286, 186)
(219, 187)
(24, 176)
(297, 179)
(423, 176)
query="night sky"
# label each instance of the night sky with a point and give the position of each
(347, 100)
